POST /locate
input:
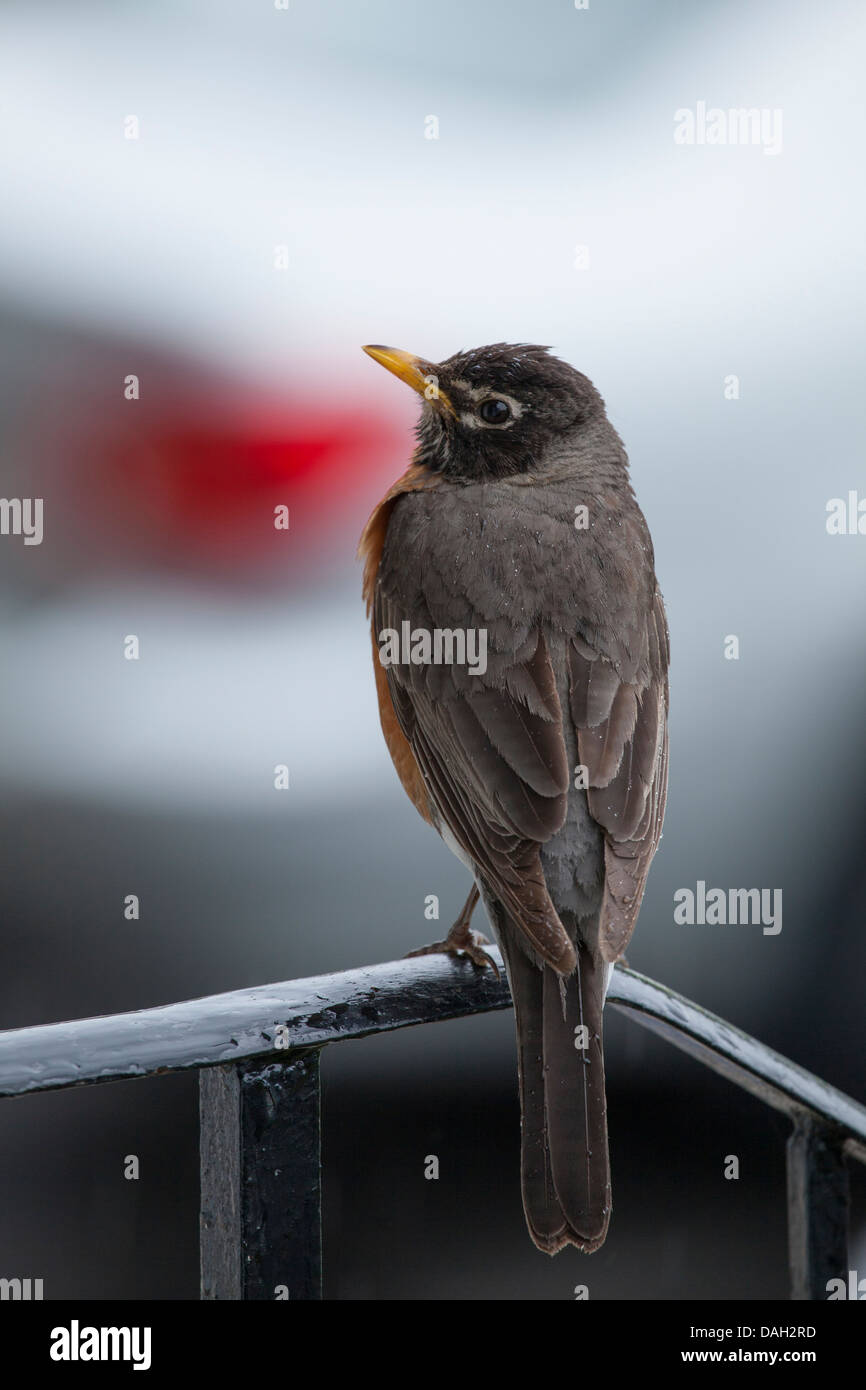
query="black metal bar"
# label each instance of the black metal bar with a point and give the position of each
(261, 1233)
(219, 1163)
(723, 1048)
(260, 1145)
(243, 1026)
(818, 1203)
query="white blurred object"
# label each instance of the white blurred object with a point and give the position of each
(219, 696)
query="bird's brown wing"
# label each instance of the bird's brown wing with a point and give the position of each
(493, 761)
(495, 767)
(623, 743)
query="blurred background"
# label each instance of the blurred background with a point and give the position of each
(282, 204)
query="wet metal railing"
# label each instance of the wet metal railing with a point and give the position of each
(257, 1052)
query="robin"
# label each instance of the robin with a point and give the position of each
(520, 649)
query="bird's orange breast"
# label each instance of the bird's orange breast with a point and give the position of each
(370, 547)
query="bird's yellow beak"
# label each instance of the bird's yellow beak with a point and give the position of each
(417, 373)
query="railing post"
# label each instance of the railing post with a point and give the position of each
(818, 1198)
(261, 1179)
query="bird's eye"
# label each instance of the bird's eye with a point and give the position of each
(495, 412)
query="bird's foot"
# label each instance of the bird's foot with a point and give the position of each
(470, 944)
(462, 941)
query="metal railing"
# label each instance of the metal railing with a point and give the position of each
(257, 1052)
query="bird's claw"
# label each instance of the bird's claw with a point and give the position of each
(468, 943)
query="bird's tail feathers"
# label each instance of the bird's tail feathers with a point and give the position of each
(565, 1170)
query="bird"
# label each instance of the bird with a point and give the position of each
(546, 771)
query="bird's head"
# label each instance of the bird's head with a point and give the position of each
(494, 411)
